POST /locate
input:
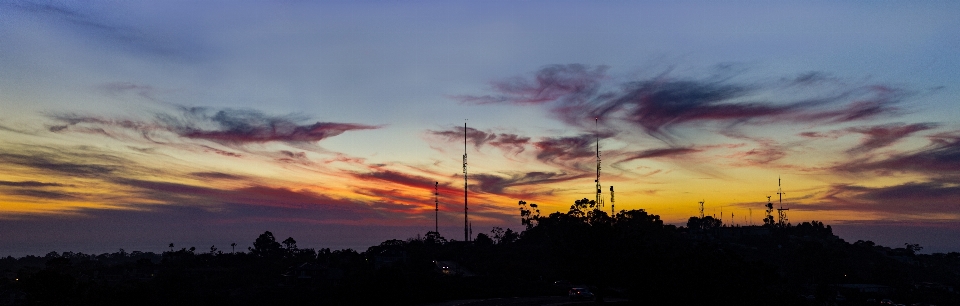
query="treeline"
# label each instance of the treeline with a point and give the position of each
(631, 255)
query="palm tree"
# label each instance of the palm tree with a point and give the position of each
(233, 247)
(171, 247)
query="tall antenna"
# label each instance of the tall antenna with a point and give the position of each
(599, 200)
(466, 224)
(436, 209)
(782, 212)
(613, 210)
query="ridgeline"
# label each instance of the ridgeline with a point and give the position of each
(629, 258)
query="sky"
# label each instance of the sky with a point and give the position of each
(138, 124)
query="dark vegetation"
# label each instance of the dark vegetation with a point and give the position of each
(631, 256)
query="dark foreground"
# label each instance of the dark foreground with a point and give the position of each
(631, 258)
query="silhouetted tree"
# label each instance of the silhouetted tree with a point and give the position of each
(233, 247)
(580, 208)
(528, 216)
(434, 238)
(265, 245)
(290, 244)
(483, 239)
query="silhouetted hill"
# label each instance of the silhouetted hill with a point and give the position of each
(632, 255)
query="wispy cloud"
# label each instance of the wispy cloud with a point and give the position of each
(907, 200)
(941, 157)
(230, 127)
(880, 136)
(496, 184)
(510, 143)
(571, 84)
(217, 176)
(574, 94)
(41, 194)
(74, 20)
(82, 165)
(567, 151)
(29, 184)
(658, 153)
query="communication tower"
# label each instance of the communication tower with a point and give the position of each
(466, 223)
(436, 207)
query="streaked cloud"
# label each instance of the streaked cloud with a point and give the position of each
(231, 127)
(576, 94)
(940, 158)
(880, 136)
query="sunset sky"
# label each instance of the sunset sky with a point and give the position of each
(135, 124)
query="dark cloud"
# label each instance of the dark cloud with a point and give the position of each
(29, 184)
(217, 176)
(400, 178)
(65, 164)
(246, 126)
(941, 157)
(664, 152)
(221, 152)
(511, 142)
(507, 142)
(908, 199)
(656, 105)
(572, 84)
(293, 157)
(475, 136)
(496, 184)
(562, 150)
(40, 194)
(228, 126)
(876, 137)
(183, 194)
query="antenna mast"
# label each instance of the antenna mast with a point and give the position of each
(599, 198)
(436, 209)
(782, 212)
(466, 224)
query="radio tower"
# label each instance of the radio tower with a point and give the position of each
(782, 212)
(599, 200)
(436, 209)
(613, 210)
(466, 224)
